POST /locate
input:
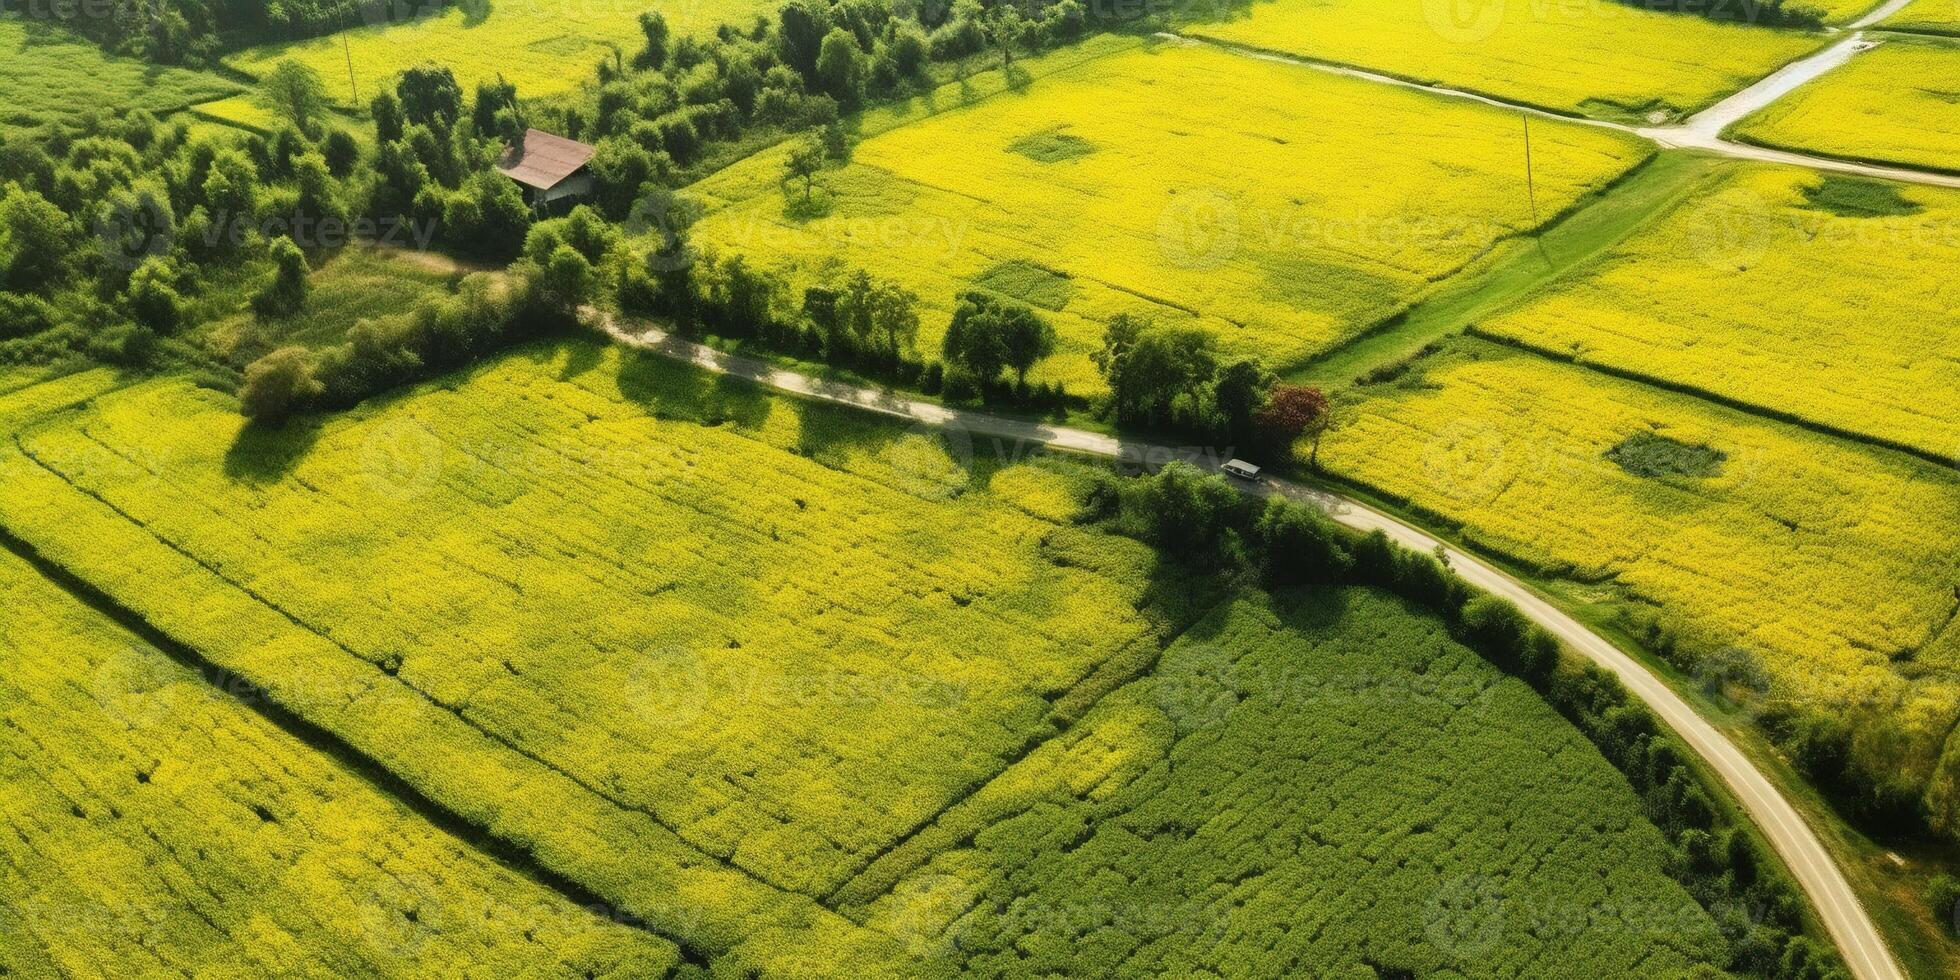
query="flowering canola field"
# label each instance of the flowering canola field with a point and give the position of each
(1213, 819)
(1928, 16)
(1816, 297)
(544, 47)
(1318, 206)
(1825, 562)
(711, 654)
(1606, 59)
(153, 825)
(1896, 103)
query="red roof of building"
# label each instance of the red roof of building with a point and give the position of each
(543, 160)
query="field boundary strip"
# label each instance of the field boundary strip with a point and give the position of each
(1714, 398)
(1164, 639)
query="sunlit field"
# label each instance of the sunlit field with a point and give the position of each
(713, 654)
(1605, 59)
(156, 825)
(1929, 16)
(1319, 206)
(1257, 718)
(1897, 103)
(544, 47)
(47, 74)
(1815, 296)
(1715, 534)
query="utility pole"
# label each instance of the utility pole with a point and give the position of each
(354, 95)
(1530, 187)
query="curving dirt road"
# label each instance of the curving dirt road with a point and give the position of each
(1857, 937)
(1702, 131)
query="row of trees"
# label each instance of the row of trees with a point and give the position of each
(1174, 377)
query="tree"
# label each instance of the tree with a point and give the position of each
(153, 298)
(804, 23)
(973, 338)
(295, 91)
(278, 385)
(840, 66)
(1027, 337)
(1007, 30)
(1238, 394)
(341, 152)
(894, 318)
(654, 54)
(430, 97)
(987, 335)
(386, 108)
(805, 161)
(566, 281)
(285, 293)
(36, 239)
(1292, 411)
(1149, 368)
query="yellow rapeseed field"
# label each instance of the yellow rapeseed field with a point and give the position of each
(240, 111)
(1929, 16)
(544, 47)
(1820, 297)
(1603, 58)
(791, 634)
(1317, 206)
(155, 825)
(1828, 563)
(1897, 103)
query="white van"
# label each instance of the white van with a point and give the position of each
(1240, 469)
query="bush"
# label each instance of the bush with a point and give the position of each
(286, 292)
(279, 384)
(1943, 897)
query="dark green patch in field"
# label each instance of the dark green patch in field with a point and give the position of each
(1052, 146)
(1856, 197)
(1029, 283)
(564, 45)
(1650, 455)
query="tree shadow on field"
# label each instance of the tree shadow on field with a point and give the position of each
(669, 389)
(263, 454)
(580, 358)
(475, 12)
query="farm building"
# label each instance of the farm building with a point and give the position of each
(550, 168)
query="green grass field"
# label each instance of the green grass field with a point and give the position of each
(712, 654)
(1213, 819)
(544, 48)
(1609, 60)
(1321, 205)
(49, 74)
(352, 285)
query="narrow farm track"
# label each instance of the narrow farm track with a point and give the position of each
(1702, 131)
(1843, 915)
